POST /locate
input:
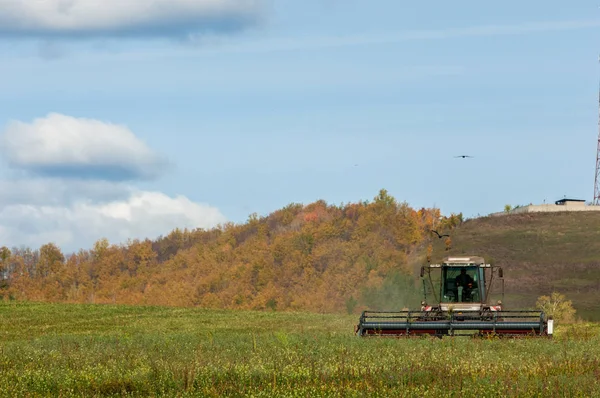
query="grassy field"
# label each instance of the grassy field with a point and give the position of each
(540, 253)
(87, 350)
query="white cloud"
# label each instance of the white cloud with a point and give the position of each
(64, 146)
(75, 212)
(77, 18)
(78, 225)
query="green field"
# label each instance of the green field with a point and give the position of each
(101, 350)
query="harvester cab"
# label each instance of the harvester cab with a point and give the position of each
(462, 284)
(461, 289)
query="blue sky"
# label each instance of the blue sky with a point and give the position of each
(126, 122)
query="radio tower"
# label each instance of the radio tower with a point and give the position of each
(597, 180)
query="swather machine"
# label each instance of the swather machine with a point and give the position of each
(462, 306)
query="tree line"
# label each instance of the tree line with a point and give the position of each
(316, 257)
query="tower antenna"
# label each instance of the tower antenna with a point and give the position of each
(597, 179)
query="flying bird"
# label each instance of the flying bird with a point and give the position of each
(464, 156)
(438, 234)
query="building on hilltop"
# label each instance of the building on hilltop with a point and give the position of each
(570, 202)
(560, 205)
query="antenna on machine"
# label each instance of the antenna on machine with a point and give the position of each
(597, 179)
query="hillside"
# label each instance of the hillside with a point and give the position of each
(540, 253)
(317, 257)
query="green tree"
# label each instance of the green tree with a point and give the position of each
(4, 257)
(351, 304)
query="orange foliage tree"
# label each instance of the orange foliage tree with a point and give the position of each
(316, 257)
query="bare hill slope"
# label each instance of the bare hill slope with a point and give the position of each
(540, 253)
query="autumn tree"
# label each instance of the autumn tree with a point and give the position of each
(318, 257)
(51, 259)
(557, 307)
